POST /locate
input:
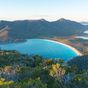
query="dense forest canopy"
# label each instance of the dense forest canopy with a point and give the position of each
(23, 71)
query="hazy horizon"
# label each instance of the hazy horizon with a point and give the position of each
(41, 19)
(50, 10)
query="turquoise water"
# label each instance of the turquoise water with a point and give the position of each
(42, 47)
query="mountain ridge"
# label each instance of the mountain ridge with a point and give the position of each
(23, 29)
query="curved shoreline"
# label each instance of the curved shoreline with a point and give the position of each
(67, 45)
(72, 48)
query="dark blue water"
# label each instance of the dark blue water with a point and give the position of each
(42, 47)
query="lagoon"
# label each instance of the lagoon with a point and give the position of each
(43, 47)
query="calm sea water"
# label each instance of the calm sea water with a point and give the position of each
(42, 47)
(86, 32)
(82, 37)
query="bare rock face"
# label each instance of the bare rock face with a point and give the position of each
(4, 33)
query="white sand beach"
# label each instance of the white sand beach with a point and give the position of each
(74, 49)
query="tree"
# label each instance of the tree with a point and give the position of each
(56, 71)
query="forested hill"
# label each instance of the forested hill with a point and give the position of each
(23, 71)
(40, 28)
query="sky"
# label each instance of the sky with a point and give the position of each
(44, 9)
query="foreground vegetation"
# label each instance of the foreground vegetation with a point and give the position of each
(23, 71)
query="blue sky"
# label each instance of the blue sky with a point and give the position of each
(47, 9)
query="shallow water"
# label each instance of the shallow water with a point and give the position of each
(43, 47)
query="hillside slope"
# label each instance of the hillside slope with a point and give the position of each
(23, 29)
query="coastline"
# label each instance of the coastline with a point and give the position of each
(63, 43)
(69, 46)
(74, 49)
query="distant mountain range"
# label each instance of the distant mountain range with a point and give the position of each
(24, 29)
(84, 23)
